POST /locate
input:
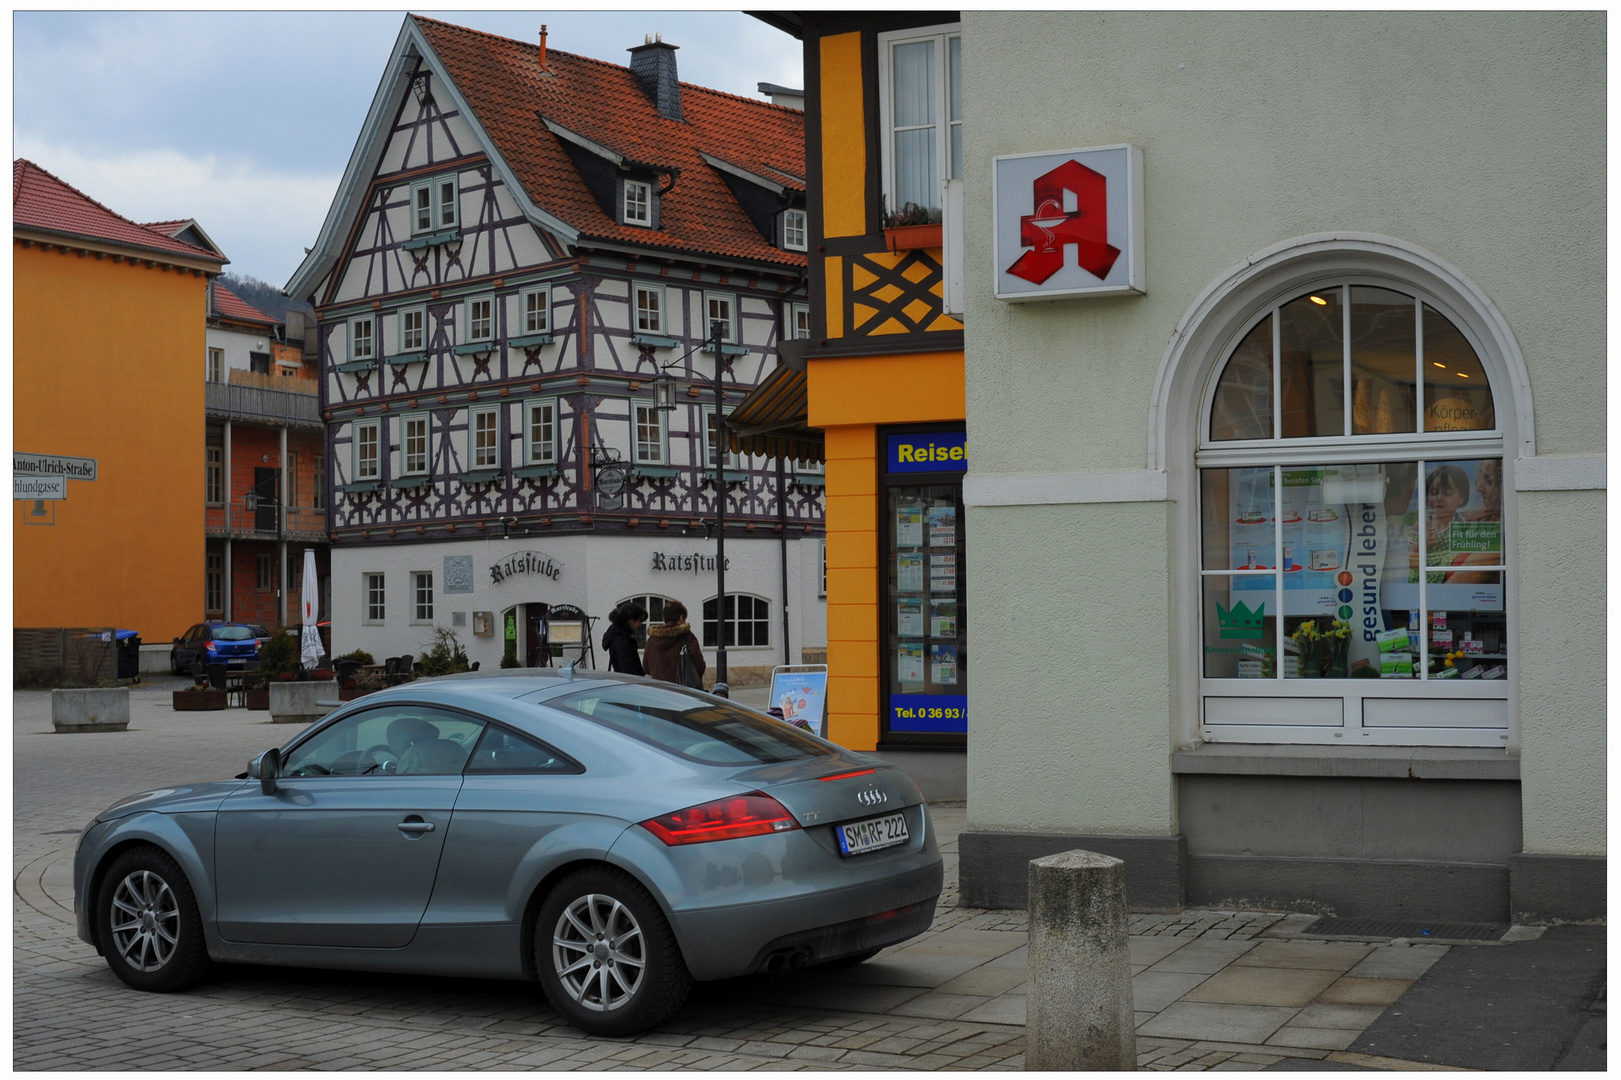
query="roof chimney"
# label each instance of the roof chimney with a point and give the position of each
(653, 65)
(543, 46)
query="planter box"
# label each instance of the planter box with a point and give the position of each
(912, 237)
(90, 710)
(295, 702)
(198, 700)
(258, 699)
(349, 693)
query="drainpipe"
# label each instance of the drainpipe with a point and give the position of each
(782, 537)
(281, 529)
(229, 583)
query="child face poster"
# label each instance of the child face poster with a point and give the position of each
(802, 697)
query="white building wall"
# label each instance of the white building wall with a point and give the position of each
(237, 346)
(1477, 137)
(597, 572)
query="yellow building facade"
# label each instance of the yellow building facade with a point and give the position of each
(107, 345)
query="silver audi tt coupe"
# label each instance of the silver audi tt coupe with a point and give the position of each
(612, 837)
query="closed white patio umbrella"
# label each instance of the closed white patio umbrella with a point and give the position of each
(310, 651)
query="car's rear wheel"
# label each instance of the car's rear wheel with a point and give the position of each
(148, 924)
(606, 956)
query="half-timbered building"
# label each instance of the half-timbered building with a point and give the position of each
(522, 242)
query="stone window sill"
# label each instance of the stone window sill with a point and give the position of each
(1401, 762)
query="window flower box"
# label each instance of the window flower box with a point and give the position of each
(914, 237)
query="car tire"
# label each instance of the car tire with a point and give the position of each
(174, 664)
(630, 930)
(153, 903)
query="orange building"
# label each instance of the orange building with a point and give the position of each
(108, 414)
(883, 374)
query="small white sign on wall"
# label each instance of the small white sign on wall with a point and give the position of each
(1068, 223)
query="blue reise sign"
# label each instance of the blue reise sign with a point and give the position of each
(929, 451)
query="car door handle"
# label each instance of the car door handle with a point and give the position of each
(415, 827)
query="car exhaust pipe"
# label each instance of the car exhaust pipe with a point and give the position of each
(785, 960)
(798, 959)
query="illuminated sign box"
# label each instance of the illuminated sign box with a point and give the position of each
(1068, 223)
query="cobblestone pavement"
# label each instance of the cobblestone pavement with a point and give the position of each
(1214, 990)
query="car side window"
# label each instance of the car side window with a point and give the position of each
(502, 751)
(403, 740)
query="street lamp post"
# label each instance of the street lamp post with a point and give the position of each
(664, 387)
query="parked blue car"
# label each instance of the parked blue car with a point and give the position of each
(611, 837)
(232, 644)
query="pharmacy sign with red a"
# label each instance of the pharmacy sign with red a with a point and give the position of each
(1068, 223)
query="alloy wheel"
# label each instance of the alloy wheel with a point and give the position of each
(599, 953)
(145, 921)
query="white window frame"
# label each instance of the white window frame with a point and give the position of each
(476, 454)
(638, 310)
(544, 310)
(733, 460)
(421, 585)
(720, 619)
(362, 474)
(214, 475)
(422, 204)
(795, 229)
(214, 366)
(447, 214)
(539, 451)
(644, 190)
(473, 334)
(1274, 702)
(407, 466)
(887, 41)
(638, 409)
(797, 326)
(370, 350)
(374, 597)
(405, 331)
(731, 307)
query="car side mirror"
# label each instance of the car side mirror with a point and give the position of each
(177, 641)
(265, 768)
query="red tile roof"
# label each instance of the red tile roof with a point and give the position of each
(502, 80)
(228, 305)
(41, 201)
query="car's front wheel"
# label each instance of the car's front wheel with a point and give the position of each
(606, 956)
(148, 924)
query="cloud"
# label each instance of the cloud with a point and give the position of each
(262, 218)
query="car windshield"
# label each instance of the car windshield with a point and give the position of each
(232, 633)
(695, 726)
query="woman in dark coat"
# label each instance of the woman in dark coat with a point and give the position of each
(619, 642)
(665, 645)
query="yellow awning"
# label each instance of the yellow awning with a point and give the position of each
(771, 420)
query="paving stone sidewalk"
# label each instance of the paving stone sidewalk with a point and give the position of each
(1214, 990)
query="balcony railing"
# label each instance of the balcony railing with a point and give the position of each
(298, 408)
(242, 519)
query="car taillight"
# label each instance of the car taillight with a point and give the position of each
(847, 775)
(209, 646)
(753, 814)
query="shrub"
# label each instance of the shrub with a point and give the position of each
(509, 654)
(277, 656)
(444, 655)
(359, 654)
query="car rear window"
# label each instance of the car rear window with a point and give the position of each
(695, 726)
(232, 633)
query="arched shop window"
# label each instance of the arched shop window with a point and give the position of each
(748, 621)
(1354, 559)
(655, 612)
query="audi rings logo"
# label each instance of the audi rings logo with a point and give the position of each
(871, 797)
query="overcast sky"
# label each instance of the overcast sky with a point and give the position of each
(245, 120)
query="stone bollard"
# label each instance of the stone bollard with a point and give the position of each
(104, 709)
(1079, 1012)
(297, 702)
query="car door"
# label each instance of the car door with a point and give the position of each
(345, 850)
(186, 651)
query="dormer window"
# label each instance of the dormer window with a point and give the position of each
(638, 203)
(434, 205)
(793, 230)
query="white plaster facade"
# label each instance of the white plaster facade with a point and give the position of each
(1462, 153)
(594, 573)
